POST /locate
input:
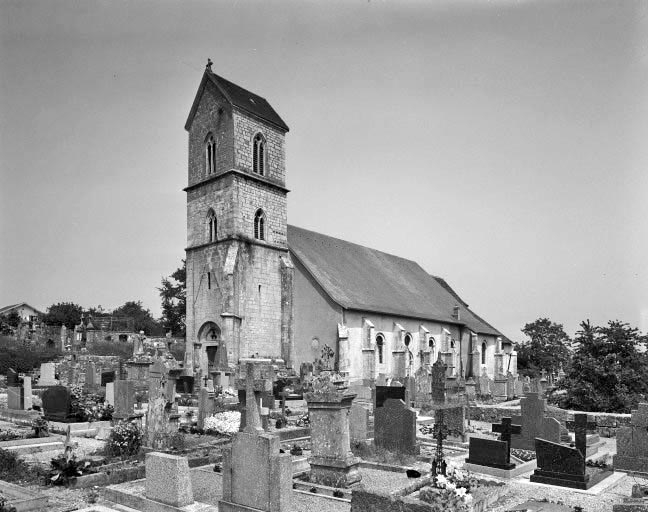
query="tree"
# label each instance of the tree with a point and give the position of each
(173, 293)
(142, 318)
(608, 372)
(12, 319)
(546, 349)
(63, 313)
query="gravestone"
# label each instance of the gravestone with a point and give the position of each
(489, 452)
(454, 417)
(332, 462)
(506, 429)
(124, 399)
(90, 374)
(389, 392)
(168, 480)
(28, 399)
(56, 403)
(256, 476)
(206, 405)
(534, 423)
(110, 393)
(47, 375)
(423, 386)
(510, 386)
(395, 427)
(632, 443)
(358, 422)
(107, 377)
(438, 376)
(185, 384)
(16, 398)
(485, 384)
(262, 376)
(561, 465)
(12, 378)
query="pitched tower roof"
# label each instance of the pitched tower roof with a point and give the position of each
(240, 98)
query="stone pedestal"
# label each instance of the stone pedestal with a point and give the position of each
(332, 462)
(499, 388)
(168, 480)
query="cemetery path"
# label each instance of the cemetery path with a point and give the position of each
(603, 502)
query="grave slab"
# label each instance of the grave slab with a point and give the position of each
(22, 499)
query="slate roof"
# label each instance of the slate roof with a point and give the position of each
(360, 278)
(241, 98)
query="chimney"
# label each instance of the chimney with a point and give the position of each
(455, 312)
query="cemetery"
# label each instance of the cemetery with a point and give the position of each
(312, 442)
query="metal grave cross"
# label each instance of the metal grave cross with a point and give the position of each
(580, 426)
(439, 432)
(505, 430)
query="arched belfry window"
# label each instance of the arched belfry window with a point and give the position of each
(212, 225)
(210, 154)
(483, 353)
(259, 225)
(259, 154)
(380, 342)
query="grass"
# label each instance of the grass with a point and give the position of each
(14, 469)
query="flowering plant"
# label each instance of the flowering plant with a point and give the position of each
(125, 439)
(89, 406)
(450, 492)
(227, 422)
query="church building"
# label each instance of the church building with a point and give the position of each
(258, 287)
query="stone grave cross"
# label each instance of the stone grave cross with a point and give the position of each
(580, 426)
(439, 432)
(505, 430)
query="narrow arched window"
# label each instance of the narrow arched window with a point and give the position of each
(210, 154)
(212, 225)
(259, 225)
(380, 341)
(408, 339)
(431, 342)
(258, 154)
(483, 353)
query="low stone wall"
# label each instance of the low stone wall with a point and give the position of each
(608, 423)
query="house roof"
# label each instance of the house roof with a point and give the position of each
(240, 98)
(8, 309)
(360, 278)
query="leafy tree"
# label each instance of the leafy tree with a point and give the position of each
(142, 318)
(13, 319)
(63, 313)
(608, 372)
(546, 348)
(173, 293)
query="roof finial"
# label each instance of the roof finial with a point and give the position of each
(209, 64)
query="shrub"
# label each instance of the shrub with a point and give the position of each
(125, 440)
(23, 357)
(89, 406)
(4, 505)
(14, 469)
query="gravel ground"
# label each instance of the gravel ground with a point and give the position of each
(520, 492)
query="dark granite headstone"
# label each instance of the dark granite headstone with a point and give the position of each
(388, 392)
(107, 377)
(185, 384)
(489, 452)
(56, 403)
(12, 378)
(560, 465)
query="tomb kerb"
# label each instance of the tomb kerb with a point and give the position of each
(332, 462)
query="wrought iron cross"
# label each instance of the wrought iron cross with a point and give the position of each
(505, 430)
(580, 426)
(439, 432)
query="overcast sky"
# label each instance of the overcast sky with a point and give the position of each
(500, 144)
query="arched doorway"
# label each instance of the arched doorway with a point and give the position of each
(209, 337)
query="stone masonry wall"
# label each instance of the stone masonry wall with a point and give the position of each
(245, 128)
(608, 423)
(218, 196)
(214, 114)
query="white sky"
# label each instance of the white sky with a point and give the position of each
(499, 144)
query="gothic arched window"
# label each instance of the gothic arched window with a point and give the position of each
(258, 154)
(380, 341)
(408, 339)
(212, 225)
(210, 154)
(483, 353)
(259, 225)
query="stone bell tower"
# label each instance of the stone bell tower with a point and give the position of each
(239, 271)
